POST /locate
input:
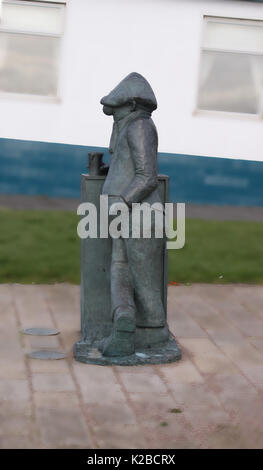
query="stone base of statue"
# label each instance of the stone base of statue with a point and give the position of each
(90, 354)
(151, 345)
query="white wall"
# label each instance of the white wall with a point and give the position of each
(107, 39)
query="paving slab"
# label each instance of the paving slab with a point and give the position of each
(212, 398)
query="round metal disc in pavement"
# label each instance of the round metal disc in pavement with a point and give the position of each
(45, 354)
(40, 331)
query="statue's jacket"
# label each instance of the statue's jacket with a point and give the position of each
(133, 177)
(133, 168)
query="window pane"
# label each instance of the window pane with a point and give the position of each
(28, 64)
(32, 18)
(237, 37)
(230, 82)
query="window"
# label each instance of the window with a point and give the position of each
(231, 72)
(30, 35)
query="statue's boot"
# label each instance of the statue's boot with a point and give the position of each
(121, 340)
(124, 320)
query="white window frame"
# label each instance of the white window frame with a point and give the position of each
(225, 20)
(41, 4)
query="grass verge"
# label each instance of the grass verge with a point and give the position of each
(43, 247)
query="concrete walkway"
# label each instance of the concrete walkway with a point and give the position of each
(193, 211)
(213, 398)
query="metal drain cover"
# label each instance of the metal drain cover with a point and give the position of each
(40, 331)
(45, 354)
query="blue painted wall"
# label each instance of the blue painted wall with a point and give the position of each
(54, 170)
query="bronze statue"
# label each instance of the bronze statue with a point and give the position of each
(138, 283)
(133, 178)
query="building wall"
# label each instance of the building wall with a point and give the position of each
(44, 145)
(105, 40)
(54, 170)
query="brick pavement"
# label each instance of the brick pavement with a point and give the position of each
(213, 398)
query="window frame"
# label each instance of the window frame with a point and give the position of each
(225, 20)
(6, 95)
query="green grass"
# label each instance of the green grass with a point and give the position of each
(219, 252)
(39, 246)
(43, 247)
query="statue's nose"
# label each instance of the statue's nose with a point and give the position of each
(102, 101)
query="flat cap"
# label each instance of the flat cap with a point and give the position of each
(133, 87)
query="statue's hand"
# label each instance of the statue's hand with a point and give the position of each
(103, 170)
(117, 207)
(116, 203)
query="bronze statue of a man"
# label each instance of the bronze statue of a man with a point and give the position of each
(136, 298)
